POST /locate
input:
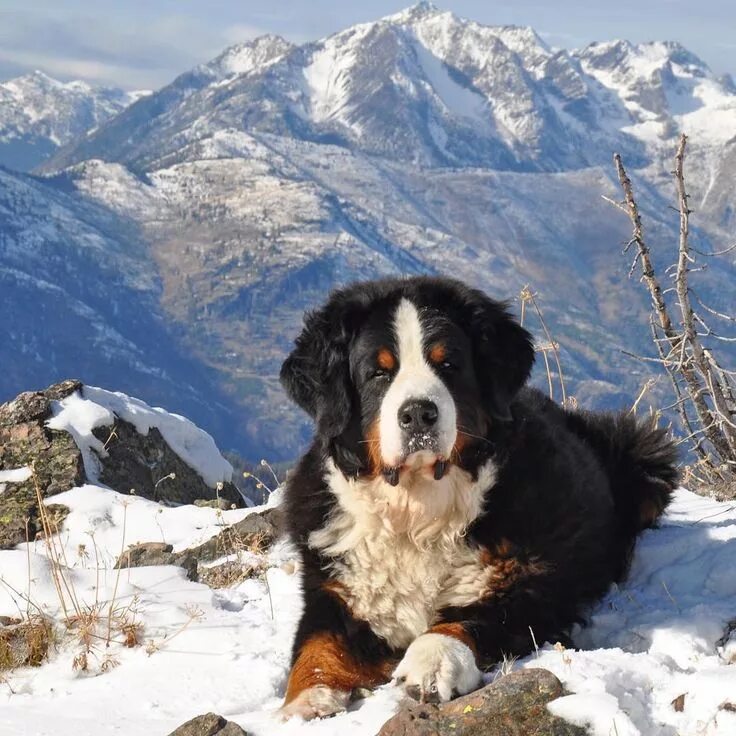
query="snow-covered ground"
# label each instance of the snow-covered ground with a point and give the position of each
(650, 641)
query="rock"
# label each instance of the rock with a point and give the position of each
(209, 725)
(228, 573)
(23, 644)
(144, 462)
(26, 441)
(133, 461)
(213, 503)
(158, 553)
(514, 704)
(256, 532)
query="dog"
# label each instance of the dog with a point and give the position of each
(447, 515)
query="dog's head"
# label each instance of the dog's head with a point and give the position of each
(399, 374)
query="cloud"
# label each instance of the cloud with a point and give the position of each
(61, 67)
(139, 53)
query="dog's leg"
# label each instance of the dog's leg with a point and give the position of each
(517, 604)
(333, 655)
(318, 684)
(322, 678)
(439, 664)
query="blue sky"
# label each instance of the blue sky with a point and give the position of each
(145, 44)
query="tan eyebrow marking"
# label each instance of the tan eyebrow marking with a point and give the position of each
(438, 353)
(385, 359)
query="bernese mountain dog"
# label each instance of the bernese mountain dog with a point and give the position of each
(445, 514)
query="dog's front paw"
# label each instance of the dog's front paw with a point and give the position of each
(315, 702)
(435, 666)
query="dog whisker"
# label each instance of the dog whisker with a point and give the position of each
(464, 431)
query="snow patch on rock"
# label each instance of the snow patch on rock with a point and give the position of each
(80, 413)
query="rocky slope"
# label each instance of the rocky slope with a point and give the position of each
(418, 143)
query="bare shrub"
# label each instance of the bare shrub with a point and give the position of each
(704, 390)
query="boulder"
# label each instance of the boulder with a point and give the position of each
(146, 464)
(158, 553)
(55, 458)
(514, 705)
(212, 503)
(256, 532)
(209, 724)
(229, 573)
(142, 462)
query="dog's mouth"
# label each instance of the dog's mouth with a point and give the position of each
(417, 462)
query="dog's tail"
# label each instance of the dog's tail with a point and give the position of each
(641, 462)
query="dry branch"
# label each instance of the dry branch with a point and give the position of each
(705, 394)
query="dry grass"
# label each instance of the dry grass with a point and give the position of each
(93, 629)
(551, 346)
(505, 667)
(247, 549)
(193, 614)
(227, 574)
(26, 644)
(92, 625)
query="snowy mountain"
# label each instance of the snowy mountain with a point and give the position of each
(664, 89)
(429, 88)
(420, 143)
(38, 114)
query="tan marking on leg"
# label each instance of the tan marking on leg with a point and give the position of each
(508, 567)
(325, 661)
(457, 631)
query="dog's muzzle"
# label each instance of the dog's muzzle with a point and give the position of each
(418, 420)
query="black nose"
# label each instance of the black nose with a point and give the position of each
(417, 415)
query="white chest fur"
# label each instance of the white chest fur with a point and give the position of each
(399, 552)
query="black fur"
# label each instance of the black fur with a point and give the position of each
(573, 489)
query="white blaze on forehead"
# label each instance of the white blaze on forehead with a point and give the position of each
(415, 379)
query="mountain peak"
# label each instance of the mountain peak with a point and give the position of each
(242, 58)
(646, 54)
(415, 12)
(35, 78)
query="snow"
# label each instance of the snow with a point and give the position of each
(38, 105)
(80, 413)
(651, 640)
(654, 638)
(232, 659)
(328, 74)
(18, 475)
(456, 99)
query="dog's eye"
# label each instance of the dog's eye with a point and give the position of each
(447, 366)
(379, 373)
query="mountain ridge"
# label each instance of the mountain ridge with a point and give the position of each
(510, 101)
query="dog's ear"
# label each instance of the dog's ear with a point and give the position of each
(503, 350)
(316, 375)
